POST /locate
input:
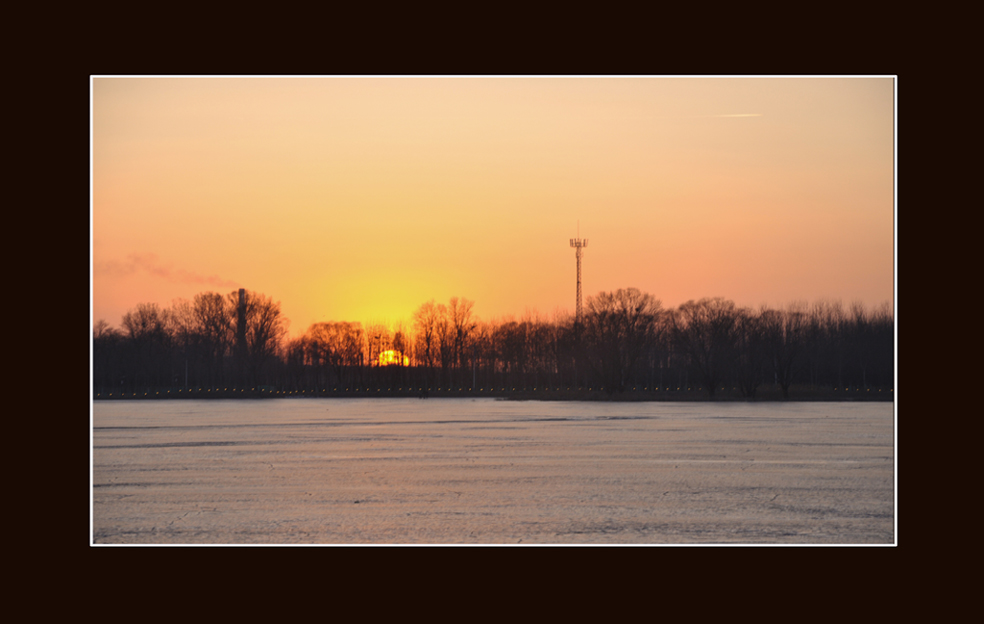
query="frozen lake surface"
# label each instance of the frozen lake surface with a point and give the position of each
(481, 471)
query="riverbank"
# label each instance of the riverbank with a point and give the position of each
(693, 394)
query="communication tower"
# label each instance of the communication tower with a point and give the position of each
(578, 245)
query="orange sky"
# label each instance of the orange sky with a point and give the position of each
(359, 199)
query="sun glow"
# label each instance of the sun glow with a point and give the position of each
(360, 199)
(392, 357)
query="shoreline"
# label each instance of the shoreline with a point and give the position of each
(696, 395)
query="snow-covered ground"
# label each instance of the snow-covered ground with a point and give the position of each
(481, 471)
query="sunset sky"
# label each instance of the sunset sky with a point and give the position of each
(359, 199)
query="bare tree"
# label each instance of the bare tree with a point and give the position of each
(265, 328)
(510, 340)
(618, 328)
(462, 322)
(295, 369)
(148, 333)
(751, 356)
(401, 343)
(705, 331)
(101, 329)
(338, 346)
(318, 353)
(825, 358)
(483, 341)
(378, 340)
(107, 356)
(444, 331)
(870, 341)
(211, 326)
(785, 334)
(425, 323)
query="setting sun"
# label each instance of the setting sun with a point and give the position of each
(393, 358)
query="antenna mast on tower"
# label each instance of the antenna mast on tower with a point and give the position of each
(578, 245)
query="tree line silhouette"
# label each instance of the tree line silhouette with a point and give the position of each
(625, 341)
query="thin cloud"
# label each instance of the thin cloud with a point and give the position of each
(721, 116)
(709, 116)
(148, 264)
